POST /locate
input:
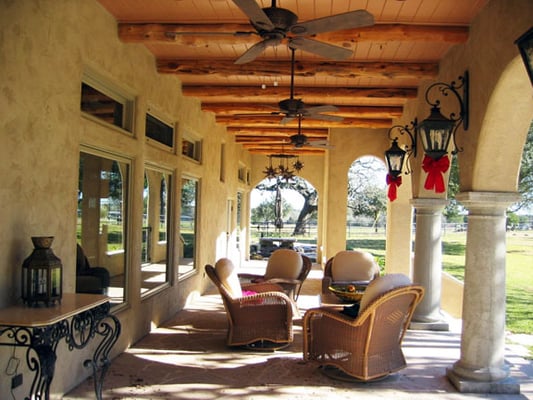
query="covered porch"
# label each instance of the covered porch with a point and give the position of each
(186, 358)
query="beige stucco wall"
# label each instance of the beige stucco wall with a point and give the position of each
(50, 44)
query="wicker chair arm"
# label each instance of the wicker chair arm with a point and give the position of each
(264, 298)
(262, 287)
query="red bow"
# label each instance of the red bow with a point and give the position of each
(394, 182)
(435, 170)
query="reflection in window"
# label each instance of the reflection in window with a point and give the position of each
(155, 249)
(189, 194)
(101, 227)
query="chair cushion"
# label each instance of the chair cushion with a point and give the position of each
(228, 277)
(381, 285)
(353, 266)
(284, 263)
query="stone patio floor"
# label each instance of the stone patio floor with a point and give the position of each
(186, 358)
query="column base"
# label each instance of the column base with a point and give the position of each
(504, 386)
(429, 326)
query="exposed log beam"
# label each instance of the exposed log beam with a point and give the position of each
(272, 95)
(226, 68)
(279, 131)
(270, 121)
(201, 35)
(222, 109)
(284, 149)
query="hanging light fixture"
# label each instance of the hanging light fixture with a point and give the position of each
(282, 170)
(395, 155)
(436, 130)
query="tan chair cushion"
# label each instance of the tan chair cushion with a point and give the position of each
(228, 277)
(380, 285)
(353, 266)
(284, 263)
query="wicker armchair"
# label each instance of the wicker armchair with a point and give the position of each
(259, 315)
(287, 268)
(347, 267)
(369, 346)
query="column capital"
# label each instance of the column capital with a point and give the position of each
(430, 204)
(488, 202)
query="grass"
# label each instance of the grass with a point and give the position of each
(519, 274)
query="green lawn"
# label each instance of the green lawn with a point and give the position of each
(519, 277)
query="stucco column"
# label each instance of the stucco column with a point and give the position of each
(481, 368)
(427, 267)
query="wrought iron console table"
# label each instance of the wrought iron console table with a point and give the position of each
(79, 318)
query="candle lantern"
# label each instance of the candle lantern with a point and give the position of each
(42, 274)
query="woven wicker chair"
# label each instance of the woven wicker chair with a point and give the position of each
(287, 268)
(367, 347)
(349, 267)
(259, 315)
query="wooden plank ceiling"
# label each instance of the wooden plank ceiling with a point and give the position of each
(197, 41)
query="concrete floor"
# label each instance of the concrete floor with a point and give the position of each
(186, 358)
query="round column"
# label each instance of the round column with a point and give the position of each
(427, 266)
(481, 367)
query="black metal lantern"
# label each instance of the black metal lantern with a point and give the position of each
(42, 274)
(395, 157)
(436, 131)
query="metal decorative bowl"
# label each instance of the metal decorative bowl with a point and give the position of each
(348, 292)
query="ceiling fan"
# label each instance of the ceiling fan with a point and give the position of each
(295, 108)
(300, 140)
(274, 24)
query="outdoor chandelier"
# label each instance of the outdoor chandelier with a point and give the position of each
(395, 155)
(437, 130)
(282, 170)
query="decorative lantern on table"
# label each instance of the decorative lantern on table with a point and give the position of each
(42, 276)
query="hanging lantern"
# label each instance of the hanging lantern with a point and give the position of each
(394, 158)
(435, 133)
(42, 275)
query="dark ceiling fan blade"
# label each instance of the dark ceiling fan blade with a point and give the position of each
(286, 120)
(255, 13)
(320, 48)
(321, 109)
(323, 117)
(253, 52)
(348, 20)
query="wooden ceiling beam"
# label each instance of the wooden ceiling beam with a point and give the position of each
(224, 69)
(278, 131)
(201, 35)
(272, 121)
(246, 93)
(222, 109)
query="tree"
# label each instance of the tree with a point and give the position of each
(525, 177)
(366, 189)
(306, 190)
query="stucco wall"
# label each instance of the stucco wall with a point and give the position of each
(46, 47)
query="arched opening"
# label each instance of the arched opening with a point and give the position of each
(283, 214)
(366, 210)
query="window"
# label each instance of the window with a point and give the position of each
(191, 147)
(223, 162)
(155, 265)
(159, 131)
(106, 102)
(189, 209)
(241, 173)
(102, 216)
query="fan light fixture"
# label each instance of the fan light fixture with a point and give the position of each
(437, 130)
(395, 155)
(283, 170)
